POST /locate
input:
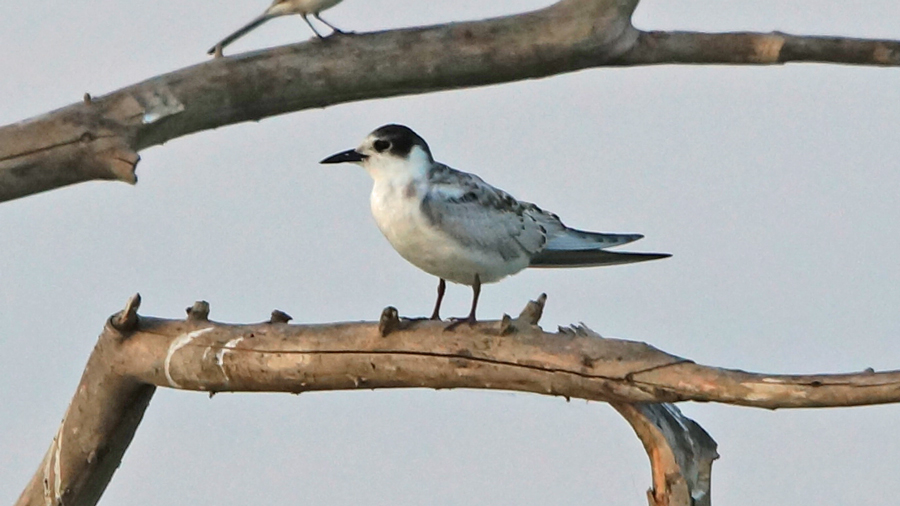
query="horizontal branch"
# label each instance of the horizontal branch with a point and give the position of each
(135, 354)
(99, 138)
(750, 48)
(212, 357)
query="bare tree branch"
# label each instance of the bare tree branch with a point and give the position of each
(100, 138)
(748, 48)
(134, 354)
(681, 453)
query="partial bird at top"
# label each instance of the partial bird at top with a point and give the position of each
(457, 227)
(282, 8)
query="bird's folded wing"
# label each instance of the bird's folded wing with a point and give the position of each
(476, 214)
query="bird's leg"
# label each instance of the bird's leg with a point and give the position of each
(476, 291)
(329, 25)
(311, 27)
(436, 314)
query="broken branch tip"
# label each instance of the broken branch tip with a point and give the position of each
(127, 319)
(389, 321)
(280, 317)
(199, 311)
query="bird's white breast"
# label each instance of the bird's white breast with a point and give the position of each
(396, 207)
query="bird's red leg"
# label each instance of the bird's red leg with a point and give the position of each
(476, 291)
(442, 286)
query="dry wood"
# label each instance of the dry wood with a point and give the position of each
(135, 354)
(681, 453)
(99, 138)
(749, 48)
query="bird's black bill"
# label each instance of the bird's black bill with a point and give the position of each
(351, 155)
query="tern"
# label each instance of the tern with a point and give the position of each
(282, 8)
(453, 225)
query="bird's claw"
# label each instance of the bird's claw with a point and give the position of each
(456, 322)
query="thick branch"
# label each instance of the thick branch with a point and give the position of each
(134, 353)
(207, 356)
(99, 138)
(93, 435)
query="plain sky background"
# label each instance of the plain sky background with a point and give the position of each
(775, 188)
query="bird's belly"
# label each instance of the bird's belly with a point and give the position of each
(320, 5)
(410, 233)
(306, 6)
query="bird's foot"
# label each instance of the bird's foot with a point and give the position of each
(335, 34)
(412, 319)
(456, 322)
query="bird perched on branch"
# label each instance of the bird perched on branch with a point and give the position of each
(457, 227)
(282, 8)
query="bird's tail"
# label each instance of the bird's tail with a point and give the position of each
(241, 32)
(573, 239)
(589, 258)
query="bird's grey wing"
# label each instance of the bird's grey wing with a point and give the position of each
(558, 235)
(475, 213)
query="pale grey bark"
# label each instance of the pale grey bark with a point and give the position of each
(99, 138)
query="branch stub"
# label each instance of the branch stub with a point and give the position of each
(127, 319)
(199, 311)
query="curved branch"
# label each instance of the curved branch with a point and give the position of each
(135, 354)
(681, 453)
(99, 138)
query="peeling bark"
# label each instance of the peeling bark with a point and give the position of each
(681, 453)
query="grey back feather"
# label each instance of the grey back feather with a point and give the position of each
(477, 214)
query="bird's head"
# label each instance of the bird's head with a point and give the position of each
(389, 150)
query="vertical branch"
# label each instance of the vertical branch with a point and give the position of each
(97, 428)
(681, 453)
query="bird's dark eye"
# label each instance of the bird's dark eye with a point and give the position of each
(381, 145)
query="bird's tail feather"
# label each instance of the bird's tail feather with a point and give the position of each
(241, 32)
(573, 239)
(589, 258)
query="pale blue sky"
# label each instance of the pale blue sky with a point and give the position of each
(775, 189)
